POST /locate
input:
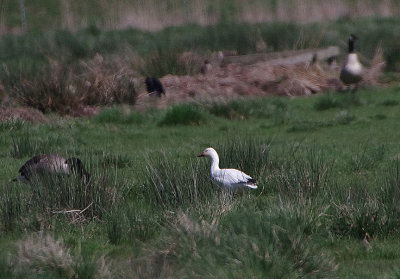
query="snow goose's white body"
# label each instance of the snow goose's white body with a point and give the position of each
(229, 178)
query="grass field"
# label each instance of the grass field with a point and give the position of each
(73, 15)
(327, 203)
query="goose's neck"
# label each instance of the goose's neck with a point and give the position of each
(351, 46)
(214, 162)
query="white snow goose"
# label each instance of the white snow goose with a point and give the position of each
(352, 70)
(229, 178)
(43, 164)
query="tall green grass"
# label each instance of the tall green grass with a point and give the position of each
(64, 196)
(327, 203)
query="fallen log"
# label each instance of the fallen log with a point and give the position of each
(289, 57)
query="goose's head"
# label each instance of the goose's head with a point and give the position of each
(208, 152)
(353, 37)
(76, 166)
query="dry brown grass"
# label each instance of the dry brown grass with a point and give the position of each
(41, 253)
(187, 225)
(77, 90)
(21, 113)
(107, 81)
(375, 69)
(234, 80)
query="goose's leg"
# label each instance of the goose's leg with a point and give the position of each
(355, 88)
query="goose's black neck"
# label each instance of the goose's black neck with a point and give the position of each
(352, 39)
(351, 45)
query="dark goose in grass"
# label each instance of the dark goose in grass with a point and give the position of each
(45, 164)
(351, 73)
(228, 178)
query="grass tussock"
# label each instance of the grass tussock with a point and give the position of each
(133, 223)
(250, 244)
(303, 176)
(69, 89)
(343, 117)
(247, 154)
(367, 157)
(10, 125)
(116, 160)
(46, 254)
(172, 185)
(25, 144)
(331, 101)
(43, 254)
(245, 109)
(12, 207)
(184, 114)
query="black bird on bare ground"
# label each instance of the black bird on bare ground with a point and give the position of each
(154, 86)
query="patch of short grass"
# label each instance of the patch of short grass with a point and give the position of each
(184, 114)
(254, 108)
(119, 115)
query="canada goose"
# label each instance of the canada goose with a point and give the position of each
(351, 73)
(43, 164)
(153, 85)
(229, 178)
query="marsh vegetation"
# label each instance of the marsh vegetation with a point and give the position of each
(327, 203)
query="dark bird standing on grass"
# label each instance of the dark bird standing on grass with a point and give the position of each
(47, 164)
(154, 86)
(351, 73)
